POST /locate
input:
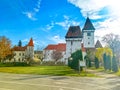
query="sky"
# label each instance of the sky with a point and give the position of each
(47, 21)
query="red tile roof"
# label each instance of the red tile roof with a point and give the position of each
(31, 42)
(17, 48)
(58, 47)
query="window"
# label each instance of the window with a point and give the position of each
(19, 59)
(19, 54)
(89, 34)
(23, 54)
(71, 42)
(88, 42)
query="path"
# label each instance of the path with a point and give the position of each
(44, 82)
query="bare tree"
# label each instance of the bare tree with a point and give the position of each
(57, 55)
(113, 42)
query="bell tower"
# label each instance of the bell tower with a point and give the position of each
(88, 34)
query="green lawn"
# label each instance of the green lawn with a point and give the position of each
(46, 70)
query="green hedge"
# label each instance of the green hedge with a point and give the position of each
(11, 64)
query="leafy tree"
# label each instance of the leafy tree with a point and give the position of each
(76, 56)
(89, 57)
(57, 55)
(105, 61)
(114, 64)
(109, 62)
(5, 48)
(96, 62)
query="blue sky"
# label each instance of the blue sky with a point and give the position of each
(47, 21)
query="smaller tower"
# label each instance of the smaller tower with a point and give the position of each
(73, 40)
(88, 34)
(30, 49)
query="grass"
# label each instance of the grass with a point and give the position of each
(46, 70)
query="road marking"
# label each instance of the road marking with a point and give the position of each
(62, 87)
(5, 89)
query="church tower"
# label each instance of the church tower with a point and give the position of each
(88, 34)
(73, 40)
(30, 49)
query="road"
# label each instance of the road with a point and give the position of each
(44, 82)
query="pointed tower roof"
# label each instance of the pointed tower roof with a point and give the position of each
(74, 32)
(98, 44)
(31, 42)
(88, 25)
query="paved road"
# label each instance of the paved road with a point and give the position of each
(42, 82)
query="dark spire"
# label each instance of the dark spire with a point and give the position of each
(98, 44)
(88, 25)
(74, 32)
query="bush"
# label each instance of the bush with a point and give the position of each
(74, 63)
(12, 64)
(96, 62)
(114, 64)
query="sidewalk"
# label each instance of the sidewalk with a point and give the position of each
(102, 73)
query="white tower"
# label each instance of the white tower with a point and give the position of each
(30, 49)
(73, 40)
(88, 34)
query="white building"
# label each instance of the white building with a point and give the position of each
(48, 51)
(21, 53)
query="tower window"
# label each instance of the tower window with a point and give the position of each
(71, 42)
(88, 34)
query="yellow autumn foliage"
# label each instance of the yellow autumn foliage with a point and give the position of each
(100, 51)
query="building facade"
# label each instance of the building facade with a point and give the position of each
(22, 53)
(48, 51)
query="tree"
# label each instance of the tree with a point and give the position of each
(114, 64)
(105, 61)
(89, 58)
(109, 64)
(5, 48)
(76, 56)
(113, 42)
(20, 43)
(57, 55)
(96, 63)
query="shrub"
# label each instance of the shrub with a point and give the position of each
(11, 64)
(114, 64)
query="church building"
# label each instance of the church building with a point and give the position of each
(76, 39)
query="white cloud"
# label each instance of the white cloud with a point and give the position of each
(67, 22)
(57, 39)
(31, 14)
(111, 15)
